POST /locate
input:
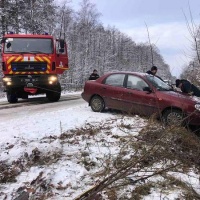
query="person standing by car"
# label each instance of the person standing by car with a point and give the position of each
(94, 75)
(187, 87)
(153, 72)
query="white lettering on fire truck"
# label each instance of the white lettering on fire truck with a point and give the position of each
(61, 64)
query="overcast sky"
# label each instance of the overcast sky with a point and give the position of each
(164, 18)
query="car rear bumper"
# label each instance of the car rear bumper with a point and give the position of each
(85, 96)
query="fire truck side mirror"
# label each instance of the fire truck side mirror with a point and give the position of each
(61, 50)
(62, 44)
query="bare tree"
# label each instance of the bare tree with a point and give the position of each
(194, 32)
(192, 71)
(150, 45)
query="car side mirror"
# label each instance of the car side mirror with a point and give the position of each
(147, 89)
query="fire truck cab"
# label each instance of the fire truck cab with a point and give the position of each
(31, 64)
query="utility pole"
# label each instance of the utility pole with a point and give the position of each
(32, 2)
(2, 7)
(17, 17)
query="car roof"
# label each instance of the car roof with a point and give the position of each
(121, 72)
(127, 72)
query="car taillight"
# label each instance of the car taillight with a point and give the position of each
(3, 66)
(53, 66)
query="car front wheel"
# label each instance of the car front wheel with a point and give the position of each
(174, 117)
(97, 104)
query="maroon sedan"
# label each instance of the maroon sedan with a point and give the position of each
(142, 94)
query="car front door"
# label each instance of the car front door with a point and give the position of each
(136, 99)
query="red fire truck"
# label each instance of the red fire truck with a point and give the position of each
(31, 64)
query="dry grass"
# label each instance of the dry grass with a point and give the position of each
(157, 151)
(144, 162)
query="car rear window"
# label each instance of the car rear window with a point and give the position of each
(115, 80)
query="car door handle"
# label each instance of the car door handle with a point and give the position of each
(104, 88)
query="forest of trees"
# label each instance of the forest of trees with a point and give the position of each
(90, 44)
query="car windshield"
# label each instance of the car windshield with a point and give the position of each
(28, 45)
(159, 84)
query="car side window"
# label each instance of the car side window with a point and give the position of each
(115, 80)
(134, 82)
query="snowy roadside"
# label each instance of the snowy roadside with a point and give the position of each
(41, 132)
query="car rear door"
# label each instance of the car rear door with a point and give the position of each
(135, 99)
(112, 90)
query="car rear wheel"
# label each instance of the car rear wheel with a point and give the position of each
(97, 104)
(174, 117)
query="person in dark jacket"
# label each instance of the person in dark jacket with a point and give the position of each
(187, 87)
(94, 75)
(153, 72)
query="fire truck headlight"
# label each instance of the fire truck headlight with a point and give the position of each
(53, 78)
(7, 79)
(9, 83)
(50, 82)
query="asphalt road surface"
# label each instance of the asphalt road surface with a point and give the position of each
(37, 105)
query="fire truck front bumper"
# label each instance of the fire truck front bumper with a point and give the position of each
(29, 81)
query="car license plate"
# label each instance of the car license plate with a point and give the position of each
(29, 84)
(30, 80)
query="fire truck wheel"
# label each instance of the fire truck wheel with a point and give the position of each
(54, 94)
(12, 97)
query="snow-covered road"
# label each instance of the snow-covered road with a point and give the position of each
(36, 105)
(35, 119)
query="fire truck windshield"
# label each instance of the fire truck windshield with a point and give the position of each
(28, 45)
